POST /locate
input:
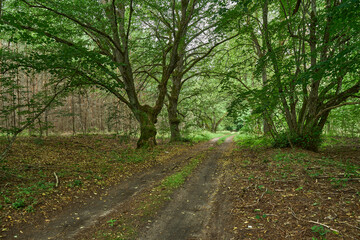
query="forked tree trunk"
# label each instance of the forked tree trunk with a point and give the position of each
(307, 134)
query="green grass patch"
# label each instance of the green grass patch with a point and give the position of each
(329, 141)
(162, 192)
(177, 179)
(252, 141)
(203, 136)
(25, 197)
(222, 139)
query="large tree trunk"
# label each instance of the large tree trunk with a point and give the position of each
(147, 120)
(148, 133)
(174, 121)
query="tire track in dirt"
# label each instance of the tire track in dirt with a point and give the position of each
(79, 217)
(189, 214)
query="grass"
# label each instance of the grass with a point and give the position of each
(255, 141)
(329, 141)
(162, 192)
(287, 165)
(338, 172)
(177, 179)
(222, 139)
(252, 141)
(204, 136)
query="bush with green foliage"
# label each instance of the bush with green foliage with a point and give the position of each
(306, 141)
(252, 141)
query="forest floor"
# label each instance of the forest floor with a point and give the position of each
(92, 187)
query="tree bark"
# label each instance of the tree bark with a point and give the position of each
(266, 125)
(147, 121)
(174, 121)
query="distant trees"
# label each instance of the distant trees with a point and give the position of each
(201, 43)
(34, 101)
(22, 104)
(203, 104)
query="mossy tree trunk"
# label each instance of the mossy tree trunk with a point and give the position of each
(147, 122)
(174, 122)
(172, 108)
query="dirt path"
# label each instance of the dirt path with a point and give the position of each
(190, 214)
(81, 217)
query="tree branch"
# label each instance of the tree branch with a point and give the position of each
(336, 106)
(76, 21)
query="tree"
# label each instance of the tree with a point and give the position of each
(314, 66)
(100, 41)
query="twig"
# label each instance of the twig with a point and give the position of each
(318, 223)
(350, 225)
(324, 225)
(258, 200)
(57, 180)
(269, 214)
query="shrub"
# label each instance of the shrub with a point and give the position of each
(310, 141)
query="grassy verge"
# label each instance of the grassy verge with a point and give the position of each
(145, 207)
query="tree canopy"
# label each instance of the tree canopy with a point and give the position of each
(289, 63)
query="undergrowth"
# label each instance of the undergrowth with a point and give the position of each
(307, 188)
(338, 173)
(252, 141)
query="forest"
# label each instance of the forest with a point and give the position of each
(259, 96)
